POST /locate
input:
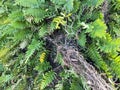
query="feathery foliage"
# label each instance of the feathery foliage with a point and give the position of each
(25, 60)
(47, 79)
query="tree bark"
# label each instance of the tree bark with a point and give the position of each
(73, 58)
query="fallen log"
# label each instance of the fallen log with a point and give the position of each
(73, 58)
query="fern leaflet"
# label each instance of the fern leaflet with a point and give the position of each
(35, 45)
(47, 79)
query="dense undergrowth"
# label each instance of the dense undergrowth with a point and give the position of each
(24, 25)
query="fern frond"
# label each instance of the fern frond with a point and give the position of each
(24, 33)
(19, 85)
(69, 5)
(97, 29)
(58, 2)
(82, 39)
(43, 30)
(18, 25)
(4, 79)
(79, 83)
(96, 57)
(75, 85)
(47, 79)
(76, 5)
(110, 45)
(16, 16)
(59, 59)
(116, 4)
(59, 86)
(59, 20)
(42, 57)
(27, 3)
(115, 66)
(3, 52)
(93, 3)
(34, 45)
(4, 20)
(43, 67)
(7, 30)
(38, 13)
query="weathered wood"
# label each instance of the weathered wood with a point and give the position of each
(74, 59)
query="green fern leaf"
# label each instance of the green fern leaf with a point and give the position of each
(116, 4)
(59, 86)
(93, 3)
(59, 59)
(97, 29)
(18, 25)
(96, 57)
(34, 45)
(58, 2)
(42, 67)
(115, 66)
(69, 5)
(43, 30)
(82, 39)
(76, 6)
(4, 78)
(110, 45)
(1, 67)
(79, 83)
(27, 3)
(3, 52)
(47, 79)
(16, 16)
(24, 33)
(75, 85)
(38, 14)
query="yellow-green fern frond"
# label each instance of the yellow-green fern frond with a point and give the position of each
(59, 20)
(42, 57)
(3, 52)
